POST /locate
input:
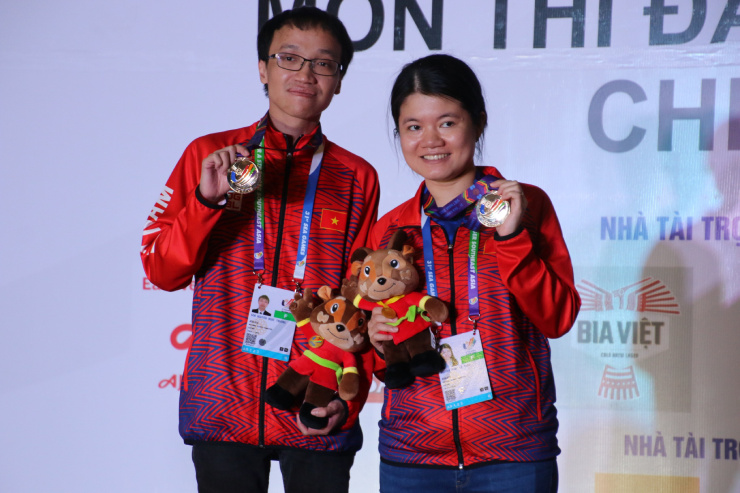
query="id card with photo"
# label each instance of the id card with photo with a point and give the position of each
(464, 380)
(270, 325)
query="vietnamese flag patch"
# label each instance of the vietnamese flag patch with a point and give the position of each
(333, 220)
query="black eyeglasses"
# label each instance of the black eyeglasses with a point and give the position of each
(319, 66)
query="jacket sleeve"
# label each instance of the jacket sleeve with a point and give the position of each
(176, 233)
(536, 268)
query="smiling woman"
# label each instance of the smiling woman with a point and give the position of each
(509, 288)
(438, 139)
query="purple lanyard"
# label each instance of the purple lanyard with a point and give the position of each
(454, 207)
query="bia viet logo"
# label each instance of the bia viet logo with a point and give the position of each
(648, 295)
(181, 338)
(622, 326)
(637, 315)
(618, 384)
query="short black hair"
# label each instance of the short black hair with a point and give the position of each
(445, 76)
(305, 18)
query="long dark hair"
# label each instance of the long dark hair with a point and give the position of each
(445, 76)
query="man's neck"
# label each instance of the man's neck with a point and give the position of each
(294, 127)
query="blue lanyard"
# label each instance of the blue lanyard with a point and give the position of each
(308, 201)
(426, 234)
(308, 204)
(473, 300)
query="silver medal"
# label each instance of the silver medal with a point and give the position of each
(492, 210)
(243, 175)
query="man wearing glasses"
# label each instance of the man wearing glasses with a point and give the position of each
(314, 205)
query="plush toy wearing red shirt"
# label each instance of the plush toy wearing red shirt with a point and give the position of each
(389, 279)
(330, 365)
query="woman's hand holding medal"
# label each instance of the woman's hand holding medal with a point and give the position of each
(512, 192)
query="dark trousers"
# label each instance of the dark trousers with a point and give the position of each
(501, 477)
(237, 468)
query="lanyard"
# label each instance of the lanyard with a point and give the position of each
(308, 200)
(473, 301)
(430, 209)
(257, 143)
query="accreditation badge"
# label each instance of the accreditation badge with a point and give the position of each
(270, 325)
(465, 379)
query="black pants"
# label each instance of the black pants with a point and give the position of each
(235, 468)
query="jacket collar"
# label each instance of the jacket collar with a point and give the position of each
(275, 138)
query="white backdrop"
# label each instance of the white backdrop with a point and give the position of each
(99, 99)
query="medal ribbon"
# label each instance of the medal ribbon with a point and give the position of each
(454, 207)
(259, 211)
(474, 311)
(257, 144)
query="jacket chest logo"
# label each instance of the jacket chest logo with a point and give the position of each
(331, 219)
(234, 202)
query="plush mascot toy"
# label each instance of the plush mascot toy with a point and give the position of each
(330, 365)
(389, 279)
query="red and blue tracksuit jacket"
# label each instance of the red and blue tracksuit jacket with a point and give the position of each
(222, 392)
(527, 295)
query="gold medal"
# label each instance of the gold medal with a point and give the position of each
(243, 175)
(388, 312)
(316, 341)
(492, 210)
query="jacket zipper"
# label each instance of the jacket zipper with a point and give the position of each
(453, 328)
(275, 271)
